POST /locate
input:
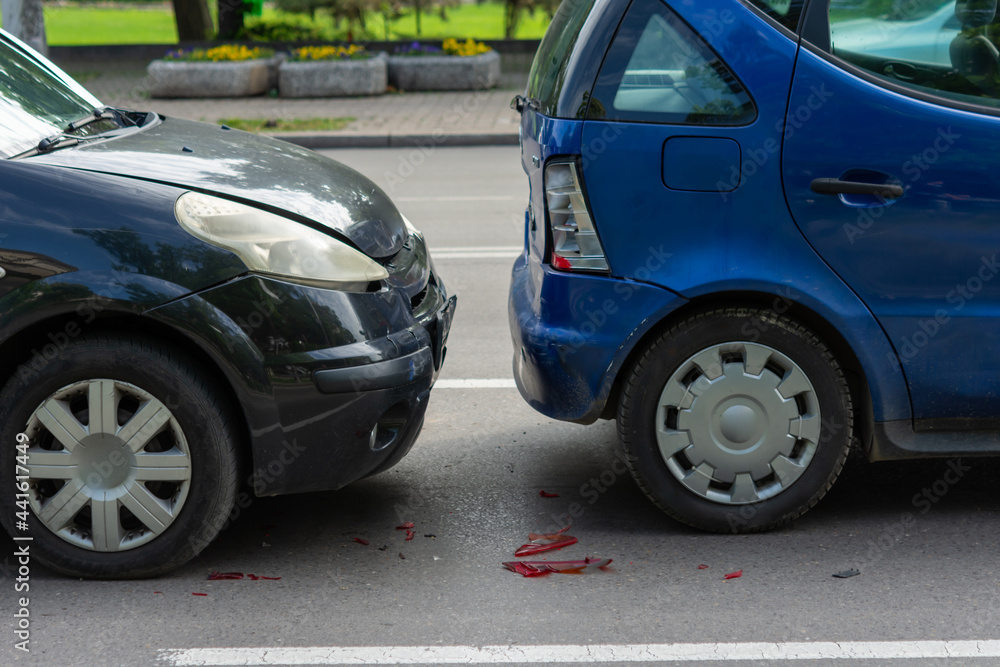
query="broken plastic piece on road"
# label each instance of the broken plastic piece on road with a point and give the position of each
(157, 592)
(538, 568)
(201, 595)
(405, 526)
(361, 540)
(409, 535)
(546, 494)
(702, 567)
(542, 543)
(219, 576)
(433, 537)
(734, 575)
(401, 556)
(846, 574)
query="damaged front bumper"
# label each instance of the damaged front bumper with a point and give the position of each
(333, 385)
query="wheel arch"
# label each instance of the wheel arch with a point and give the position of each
(22, 346)
(843, 351)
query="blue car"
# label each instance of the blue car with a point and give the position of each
(755, 248)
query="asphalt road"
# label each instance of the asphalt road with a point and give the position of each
(471, 486)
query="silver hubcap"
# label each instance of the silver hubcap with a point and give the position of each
(738, 423)
(108, 465)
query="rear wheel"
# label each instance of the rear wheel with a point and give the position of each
(729, 427)
(131, 465)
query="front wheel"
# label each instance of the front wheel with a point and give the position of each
(736, 420)
(130, 466)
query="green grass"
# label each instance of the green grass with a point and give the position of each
(75, 26)
(483, 21)
(80, 25)
(293, 125)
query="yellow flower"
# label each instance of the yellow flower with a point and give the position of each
(469, 47)
(327, 52)
(226, 53)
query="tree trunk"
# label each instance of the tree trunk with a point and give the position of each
(511, 14)
(230, 18)
(194, 23)
(24, 19)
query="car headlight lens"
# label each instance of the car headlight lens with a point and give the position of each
(269, 243)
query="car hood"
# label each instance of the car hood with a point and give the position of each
(271, 173)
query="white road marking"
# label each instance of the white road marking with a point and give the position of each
(457, 198)
(475, 384)
(479, 248)
(596, 653)
(477, 252)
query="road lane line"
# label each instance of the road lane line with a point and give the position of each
(475, 384)
(474, 255)
(595, 653)
(480, 252)
(456, 198)
(479, 248)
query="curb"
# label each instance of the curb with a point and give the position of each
(315, 141)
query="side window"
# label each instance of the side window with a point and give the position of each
(658, 70)
(940, 47)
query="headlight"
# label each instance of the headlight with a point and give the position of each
(269, 243)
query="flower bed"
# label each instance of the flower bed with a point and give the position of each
(333, 71)
(223, 71)
(456, 65)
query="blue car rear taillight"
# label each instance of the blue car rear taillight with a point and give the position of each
(575, 245)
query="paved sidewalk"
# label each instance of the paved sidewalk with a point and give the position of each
(479, 118)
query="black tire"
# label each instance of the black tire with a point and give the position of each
(193, 479)
(675, 482)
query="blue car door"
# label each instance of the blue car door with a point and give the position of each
(890, 169)
(686, 110)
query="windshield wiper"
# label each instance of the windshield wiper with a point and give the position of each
(107, 113)
(56, 141)
(521, 101)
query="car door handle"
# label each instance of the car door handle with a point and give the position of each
(835, 186)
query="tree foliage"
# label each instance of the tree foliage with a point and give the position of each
(515, 9)
(356, 12)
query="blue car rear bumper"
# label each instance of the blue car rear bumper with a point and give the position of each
(573, 333)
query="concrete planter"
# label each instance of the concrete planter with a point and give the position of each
(444, 72)
(334, 78)
(178, 78)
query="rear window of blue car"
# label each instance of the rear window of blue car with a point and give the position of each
(785, 12)
(548, 72)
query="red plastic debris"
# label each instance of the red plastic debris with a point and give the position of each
(361, 540)
(526, 569)
(218, 576)
(409, 535)
(540, 568)
(157, 592)
(534, 548)
(203, 595)
(546, 494)
(734, 575)
(405, 526)
(540, 543)
(702, 567)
